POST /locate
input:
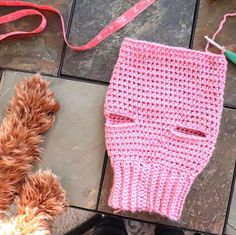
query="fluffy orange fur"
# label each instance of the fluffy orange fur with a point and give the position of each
(42, 191)
(40, 196)
(40, 201)
(30, 113)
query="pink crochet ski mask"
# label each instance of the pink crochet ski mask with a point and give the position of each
(163, 110)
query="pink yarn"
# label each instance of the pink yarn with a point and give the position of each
(163, 110)
(220, 27)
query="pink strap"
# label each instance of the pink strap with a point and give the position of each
(114, 26)
(219, 28)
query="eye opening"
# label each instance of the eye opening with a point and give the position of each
(116, 119)
(189, 132)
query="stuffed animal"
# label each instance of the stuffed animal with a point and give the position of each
(39, 196)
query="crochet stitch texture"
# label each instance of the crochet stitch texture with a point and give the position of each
(163, 109)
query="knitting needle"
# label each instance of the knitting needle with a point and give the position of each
(228, 54)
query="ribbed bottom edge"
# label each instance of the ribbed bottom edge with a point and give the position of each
(149, 187)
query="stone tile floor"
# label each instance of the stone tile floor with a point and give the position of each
(75, 143)
(154, 24)
(81, 141)
(231, 228)
(205, 207)
(38, 53)
(75, 217)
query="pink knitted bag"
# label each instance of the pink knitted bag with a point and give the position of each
(163, 109)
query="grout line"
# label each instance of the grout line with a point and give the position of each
(77, 79)
(66, 77)
(1, 74)
(63, 53)
(229, 200)
(102, 179)
(140, 220)
(232, 227)
(16, 70)
(195, 17)
(2, 69)
(229, 106)
(82, 79)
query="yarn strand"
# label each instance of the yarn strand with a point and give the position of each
(220, 27)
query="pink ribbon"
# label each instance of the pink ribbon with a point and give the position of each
(114, 26)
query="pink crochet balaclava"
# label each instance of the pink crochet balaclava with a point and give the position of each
(163, 110)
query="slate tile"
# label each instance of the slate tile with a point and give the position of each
(71, 219)
(206, 204)
(231, 228)
(166, 21)
(41, 52)
(74, 146)
(210, 14)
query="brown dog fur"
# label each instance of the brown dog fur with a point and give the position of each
(40, 201)
(30, 113)
(42, 190)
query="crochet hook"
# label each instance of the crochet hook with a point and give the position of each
(228, 54)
